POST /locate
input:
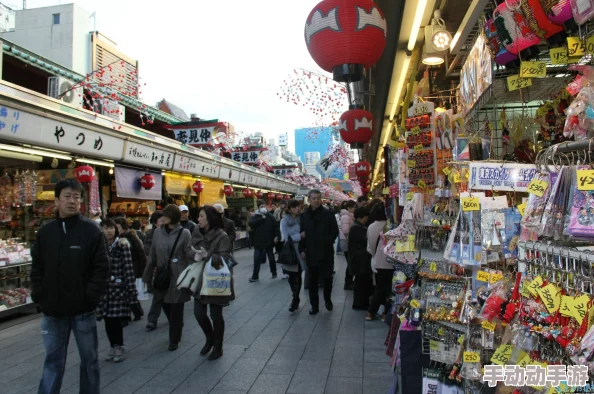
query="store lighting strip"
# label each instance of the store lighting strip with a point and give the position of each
(36, 152)
(416, 26)
(21, 156)
(475, 10)
(95, 162)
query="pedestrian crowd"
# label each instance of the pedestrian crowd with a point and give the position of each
(85, 271)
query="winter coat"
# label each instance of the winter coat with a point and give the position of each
(320, 232)
(159, 257)
(121, 284)
(141, 236)
(359, 257)
(148, 242)
(346, 221)
(214, 242)
(375, 247)
(70, 266)
(291, 227)
(137, 251)
(264, 230)
(189, 225)
(230, 230)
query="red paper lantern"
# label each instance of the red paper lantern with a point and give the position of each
(147, 181)
(259, 194)
(84, 174)
(287, 197)
(356, 127)
(345, 36)
(363, 169)
(228, 190)
(197, 187)
(279, 197)
(270, 196)
(247, 193)
(364, 190)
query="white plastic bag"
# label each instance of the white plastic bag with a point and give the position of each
(216, 282)
(190, 277)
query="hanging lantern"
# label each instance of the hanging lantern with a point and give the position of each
(197, 187)
(497, 49)
(247, 193)
(259, 194)
(363, 179)
(541, 25)
(346, 36)
(147, 181)
(514, 32)
(228, 190)
(279, 197)
(363, 169)
(287, 197)
(364, 190)
(270, 196)
(559, 12)
(356, 127)
(84, 174)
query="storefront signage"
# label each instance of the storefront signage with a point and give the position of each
(502, 177)
(23, 126)
(196, 167)
(201, 134)
(229, 174)
(283, 172)
(246, 157)
(272, 184)
(248, 179)
(149, 156)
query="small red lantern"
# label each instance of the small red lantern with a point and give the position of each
(259, 194)
(356, 127)
(364, 190)
(363, 169)
(228, 190)
(270, 196)
(197, 187)
(287, 197)
(84, 174)
(345, 36)
(147, 181)
(279, 197)
(247, 193)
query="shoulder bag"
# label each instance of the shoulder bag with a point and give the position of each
(162, 276)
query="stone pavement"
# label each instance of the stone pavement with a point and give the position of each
(267, 349)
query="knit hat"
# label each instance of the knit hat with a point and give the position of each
(172, 211)
(220, 208)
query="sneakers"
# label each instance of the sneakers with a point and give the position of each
(119, 354)
(285, 276)
(254, 280)
(111, 354)
(274, 276)
(369, 316)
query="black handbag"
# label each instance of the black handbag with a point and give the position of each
(162, 276)
(288, 255)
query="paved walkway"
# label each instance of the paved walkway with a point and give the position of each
(267, 350)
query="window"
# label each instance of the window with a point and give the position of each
(56, 19)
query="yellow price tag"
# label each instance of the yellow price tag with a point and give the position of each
(559, 55)
(482, 276)
(415, 130)
(502, 354)
(522, 208)
(523, 361)
(411, 163)
(472, 357)
(514, 82)
(471, 204)
(575, 46)
(457, 177)
(433, 345)
(590, 45)
(386, 190)
(537, 187)
(585, 179)
(440, 332)
(524, 289)
(422, 184)
(415, 303)
(396, 144)
(564, 309)
(487, 325)
(533, 69)
(550, 297)
(418, 147)
(409, 196)
(495, 277)
(433, 267)
(461, 339)
(535, 285)
(447, 171)
(579, 307)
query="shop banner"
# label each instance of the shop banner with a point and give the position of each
(179, 184)
(195, 166)
(21, 126)
(213, 193)
(128, 184)
(200, 135)
(149, 156)
(248, 179)
(229, 174)
(246, 157)
(500, 176)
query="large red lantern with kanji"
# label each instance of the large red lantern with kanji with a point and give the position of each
(147, 181)
(356, 127)
(197, 187)
(247, 193)
(346, 36)
(84, 174)
(363, 169)
(259, 194)
(228, 190)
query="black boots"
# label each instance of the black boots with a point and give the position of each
(218, 350)
(207, 346)
(294, 305)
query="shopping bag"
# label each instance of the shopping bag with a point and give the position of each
(190, 277)
(216, 282)
(288, 254)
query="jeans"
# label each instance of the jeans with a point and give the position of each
(314, 276)
(175, 315)
(155, 311)
(383, 288)
(56, 334)
(214, 330)
(260, 258)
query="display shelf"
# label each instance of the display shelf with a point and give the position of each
(5, 311)
(29, 262)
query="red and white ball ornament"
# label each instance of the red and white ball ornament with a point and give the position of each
(270, 196)
(363, 169)
(287, 197)
(247, 193)
(84, 174)
(228, 190)
(147, 181)
(364, 190)
(259, 194)
(198, 187)
(279, 197)
(356, 127)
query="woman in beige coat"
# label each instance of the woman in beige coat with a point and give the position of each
(164, 239)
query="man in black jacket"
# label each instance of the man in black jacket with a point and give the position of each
(228, 223)
(69, 274)
(185, 221)
(318, 232)
(264, 236)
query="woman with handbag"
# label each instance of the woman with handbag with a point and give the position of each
(383, 270)
(290, 258)
(215, 250)
(115, 304)
(171, 253)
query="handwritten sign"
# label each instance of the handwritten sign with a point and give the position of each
(550, 297)
(585, 180)
(514, 82)
(457, 178)
(535, 285)
(559, 55)
(418, 147)
(422, 184)
(447, 171)
(533, 69)
(472, 357)
(482, 276)
(415, 303)
(495, 277)
(502, 354)
(471, 204)
(565, 309)
(411, 163)
(415, 130)
(579, 306)
(433, 345)
(522, 208)
(576, 46)
(487, 325)
(524, 289)
(409, 196)
(537, 187)
(433, 267)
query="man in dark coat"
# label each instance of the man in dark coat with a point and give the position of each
(69, 273)
(229, 225)
(359, 263)
(264, 236)
(318, 231)
(185, 221)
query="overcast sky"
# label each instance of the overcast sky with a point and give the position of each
(222, 59)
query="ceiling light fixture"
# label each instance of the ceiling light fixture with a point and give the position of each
(440, 37)
(432, 58)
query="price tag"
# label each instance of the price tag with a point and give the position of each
(409, 196)
(415, 303)
(472, 357)
(488, 325)
(433, 267)
(590, 45)
(565, 309)
(579, 307)
(433, 345)
(495, 277)
(471, 204)
(576, 46)
(522, 208)
(514, 82)
(524, 289)
(537, 187)
(502, 354)
(411, 163)
(585, 179)
(550, 297)
(418, 147)
(440, 332)
(533, 69)
(415, 130)
(559, 55)
(386, 190)
(482, 276)
(535, 285)
(457, 177)
(422, 184)
(447, 171)
(461, 339)
(523, 361)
